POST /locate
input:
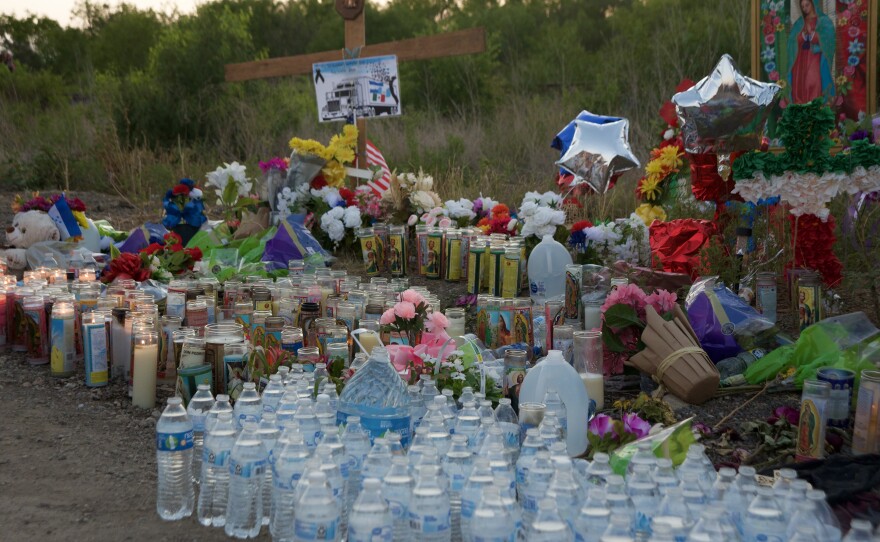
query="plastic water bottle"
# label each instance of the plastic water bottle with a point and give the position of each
(644, 456)
(457, 464)
(514, 510)
(532, 444)
(484, 409)
(357, 446)
(796, 493)
(600, 469)
(397, 488)
(308, 422)
(619, 530)
(394, 443)
(467, 395)
(745, 480)
(330, 468)
(248, 406)
(428, 388)
(214, 487)
(537, 482)
(331, 441)
(481, 476)
(324, 411)
(565, 491)
(370, 519)
(378, 395)
(438, 432)
(273, 393)
(221, 404)
(692, 492)
(695, 461)
(618, 501)
(451, 405)
(174, 448)
(546, 268)
(421, 444)
(734, 503)
(674, 512)
(429, 509)
(290, 467)
(268, 433)
(643, 492)
(317, 512)
(468, 423)
(492, 521)
(321, 376)
(417, 407)
(593, 518)
(549, 525)
(832, 530)
(806, 514)
(860, 531)
(665, 476)
(509, 425)
(711, 529)
(330, 391)
(764, 521)
(378, 461)
(285, 410)
(198, 409)
(663, 532)
(247, 470)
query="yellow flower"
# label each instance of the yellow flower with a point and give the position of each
(841, 80)
(671, 155)
(650, 187)
(782, 83)
(344, 154)
(648, 213)
(780, 27)
(334, 173)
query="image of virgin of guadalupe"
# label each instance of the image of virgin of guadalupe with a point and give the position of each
(811, 48)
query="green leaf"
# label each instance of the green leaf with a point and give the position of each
(620, 316)
(611, 340)
(114, 252)
(230, 192)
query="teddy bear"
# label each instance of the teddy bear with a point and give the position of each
(28, 228)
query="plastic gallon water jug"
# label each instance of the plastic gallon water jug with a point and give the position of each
(553, 372)
(547, 270)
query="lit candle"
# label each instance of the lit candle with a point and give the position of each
(146, 352)
(94, 335)
(86, 275)
(63, 350)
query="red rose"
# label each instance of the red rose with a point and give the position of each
(180, 189)
(126, 266)
(152, 248)
(194, 253)
(172, 238)
(176, 247)
(318, 182)
(348, 196)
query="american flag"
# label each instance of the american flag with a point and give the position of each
(375, 158)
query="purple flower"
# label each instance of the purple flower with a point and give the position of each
(635, 425)
(466, 300)
(274, 163)
(478, 207)
(789, 414)
(700, 428)
(859, 134)
(601, 425)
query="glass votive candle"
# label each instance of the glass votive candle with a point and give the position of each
(146, 353)
(456, 318)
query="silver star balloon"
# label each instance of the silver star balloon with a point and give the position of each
(724, 112)
(598, 152)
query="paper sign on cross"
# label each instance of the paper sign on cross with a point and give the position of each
(461, 42)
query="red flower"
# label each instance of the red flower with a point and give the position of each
(578, 226)
(813, 250)
(126, 266)
(172, 238)
(194, 253)
(318, 182)
(572, 201)
(180, 189)
(500, 210)
(152, 249)
(348, 196)
(176, 247)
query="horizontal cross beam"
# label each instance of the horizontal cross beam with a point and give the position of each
(461, 42)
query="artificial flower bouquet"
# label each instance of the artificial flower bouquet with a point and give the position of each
(624, 318)
(183, 204)
(233, 189)
(410, 194)
(408, 317)
(274, 174)
(624, 239)
(540, 215)
(338, 152)
(169, 259)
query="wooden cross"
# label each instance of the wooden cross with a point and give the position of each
(462, 42)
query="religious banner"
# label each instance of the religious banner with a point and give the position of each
(357, 87)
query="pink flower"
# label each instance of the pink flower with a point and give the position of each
(387, 317)
(770, 39)
(412, 220)
(626, 294)
(402, 356)
(405, 310)
(635, 425)
(601, 425)
(436, 321)
(774, 75)
(445, 222)
(413, 297)
(849, 70)
(435, 345)
(662, 301)
(429, 219)
(789, 414)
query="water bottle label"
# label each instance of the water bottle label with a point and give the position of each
(250, 469)
(458, 481)
(642, 523)
(174, 442)
(376, 534)
(269, 407)
(398, 510)
(377, 427)
(244, 418)
(521, 473)
(198, 422)
(315, 530)
(354, 462)
(468, 507)
(218, 459)
(762, 537)
(429, 523)
(344, 470)
(287, 484)
(511, 434)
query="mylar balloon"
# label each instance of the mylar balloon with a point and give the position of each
(598, 152)
(724, 112)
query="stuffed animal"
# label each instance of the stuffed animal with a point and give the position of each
(28, 228)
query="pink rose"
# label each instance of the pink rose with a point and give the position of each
(405, 310)
(387, 317)
(402, 356)
(849, 70)
(445, 222)
(435, 345)
(413, 297)
(436, 321)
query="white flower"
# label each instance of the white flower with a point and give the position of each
(195, 193)
(458, 376)
(667, 135)
(512, 224)
(463, 208)
(543, 221)
(234, 172)
(331, 223)
(424, 200)
(352, 217)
